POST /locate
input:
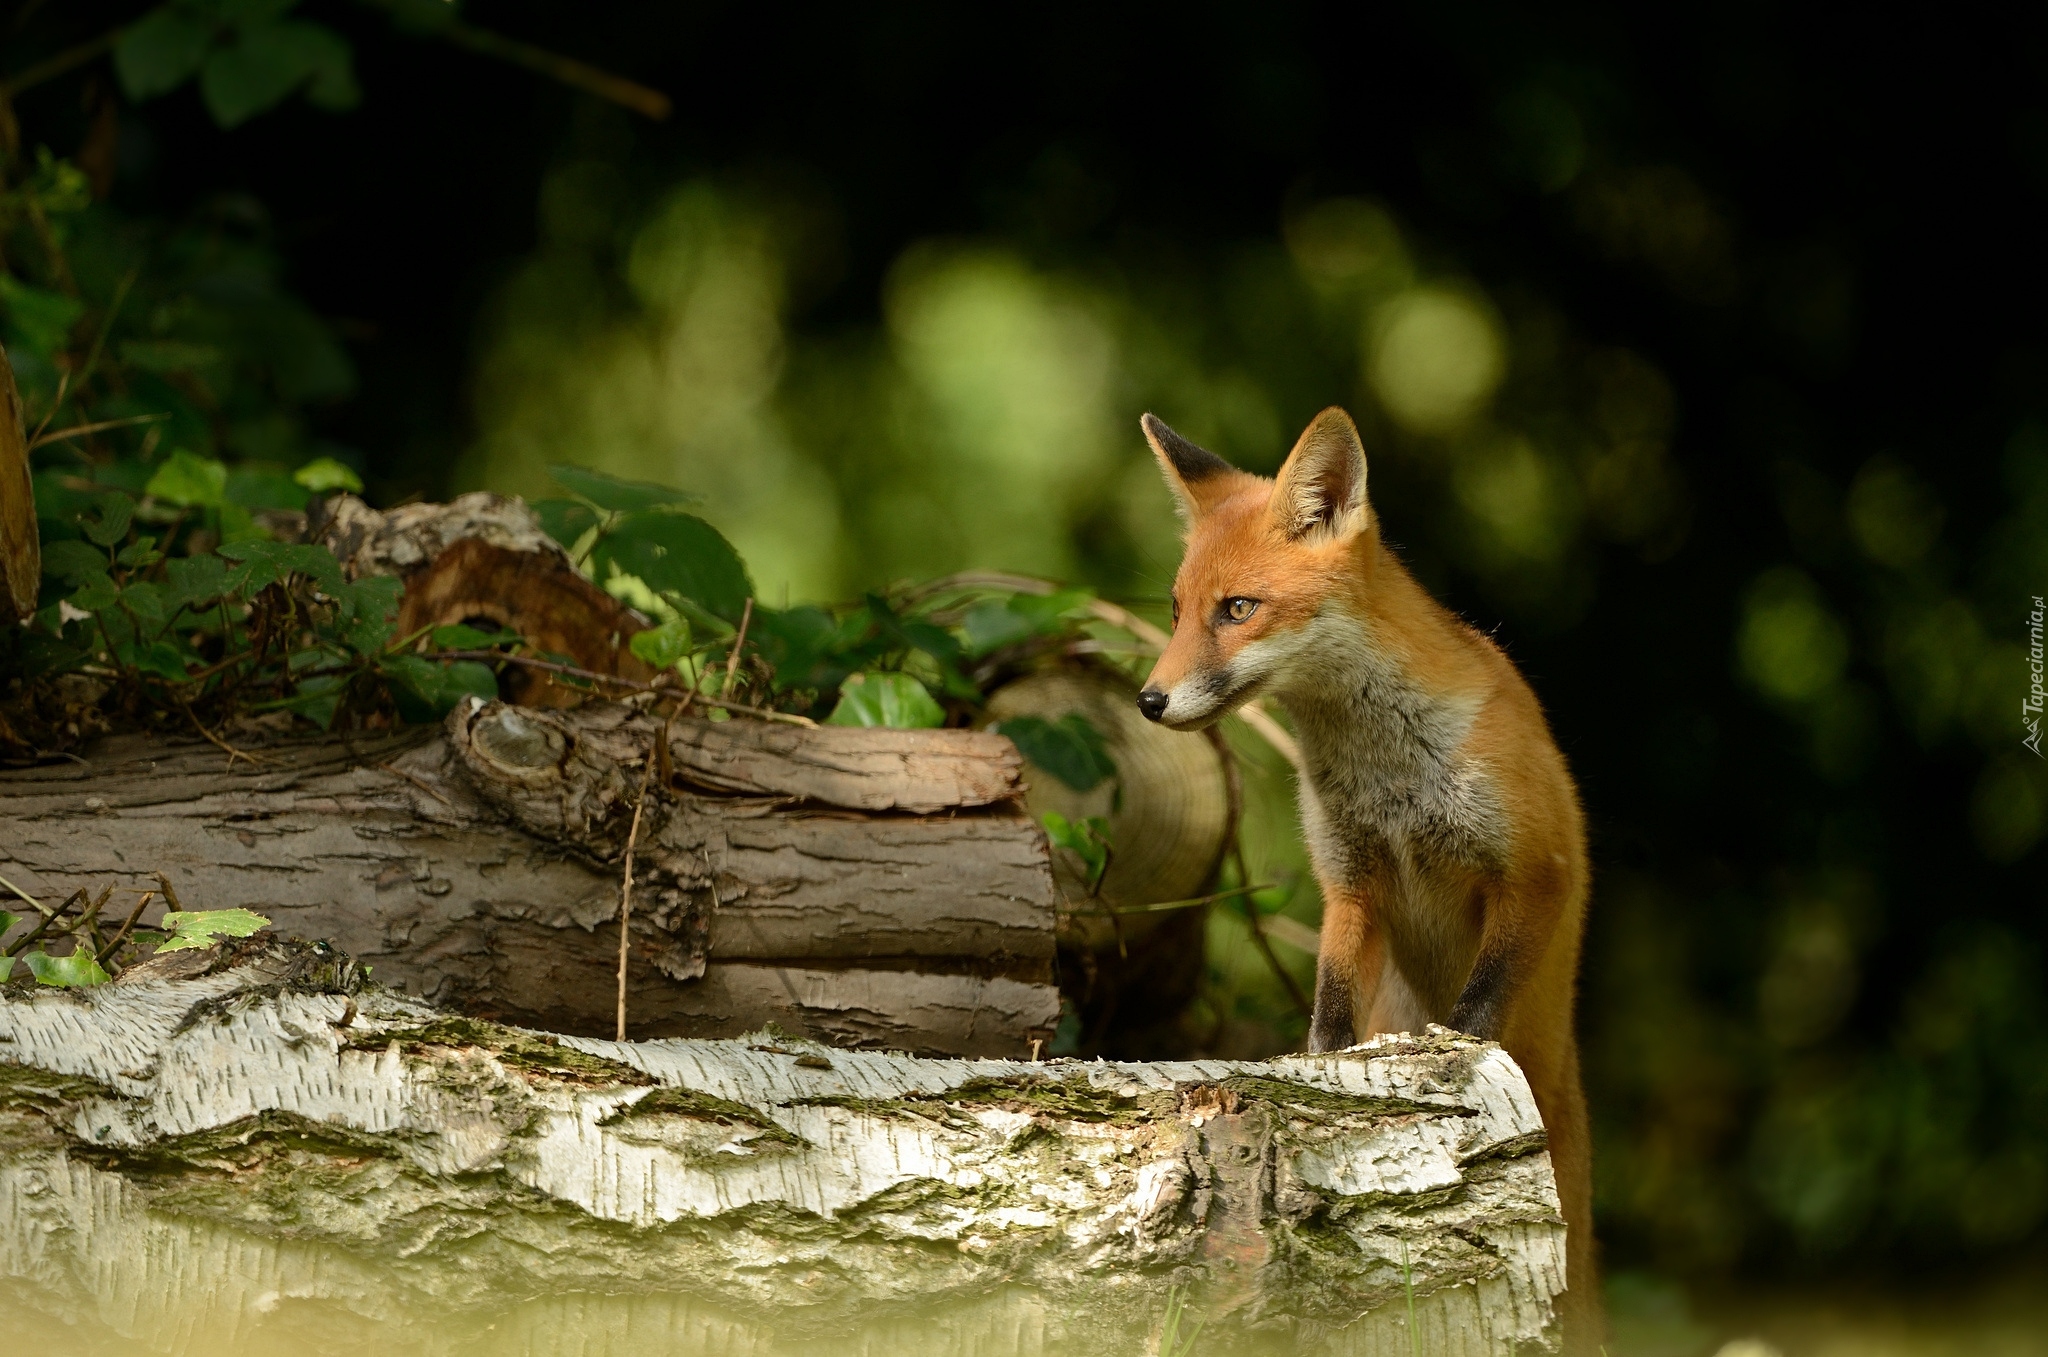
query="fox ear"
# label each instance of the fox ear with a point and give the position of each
(1193, 473)
(1321, 490)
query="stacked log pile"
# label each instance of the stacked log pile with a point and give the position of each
(875, 888)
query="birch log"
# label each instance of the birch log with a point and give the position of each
(274, 1127)
(866, 887)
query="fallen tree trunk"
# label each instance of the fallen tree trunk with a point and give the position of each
(275, 1132)
(866, 887)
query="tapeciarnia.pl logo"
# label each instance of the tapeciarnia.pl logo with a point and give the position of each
(2030, 708)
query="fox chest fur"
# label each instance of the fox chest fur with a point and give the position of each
(1392, 803)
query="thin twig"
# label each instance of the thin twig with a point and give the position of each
(634, 685)
(63, 386)
(38, 905)
(106, 954)
(1259, 940)
(170, 895)
(58, 435)
(732, 662)
(626, 890)
(23, 943)
(215, 740)
(418, 782)
(49, 68)
(1164, 905)
(578, 74)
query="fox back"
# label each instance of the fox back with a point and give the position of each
(1441, 819)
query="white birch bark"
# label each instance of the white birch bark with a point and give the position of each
(280, 1128)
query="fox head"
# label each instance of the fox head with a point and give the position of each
(1269, 564)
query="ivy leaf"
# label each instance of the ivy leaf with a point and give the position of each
(664, 646)
(161, 51)
(68, 972)
(994, 623)
(323, 474)
(202, 927)
(188, 479)
(318, 698)
(795, 640)
(678, 554)
(885, 699)
(617, 494)
(1071, 748)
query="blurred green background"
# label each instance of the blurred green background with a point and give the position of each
(1701, 361)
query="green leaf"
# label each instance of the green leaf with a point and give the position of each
(426, 690)
(73, 561)
(158, 657)
(96, 594)
(139, 554)
(6, 967)
(617, 494)
(68, 972)
(116, 512)
(191, 580)
(7, 921)
(145, 600)
(1087, 839)
(267, 61)
(323, 474)
(161, 51)
(885, 699)
(38, 321)
(200, 928)
(795, 640)
(186, 478)
(254, 487)
(678, 554)
(1071, 748)
(318, 698)
(663, 646)
(169, 355)
(565, 520)
(264, 563)
(460, 637)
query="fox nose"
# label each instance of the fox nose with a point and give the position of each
(1152, 702)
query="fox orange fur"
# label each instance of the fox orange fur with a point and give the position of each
(1444, 827)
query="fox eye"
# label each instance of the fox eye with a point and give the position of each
(1176, 610)
(1239, 609)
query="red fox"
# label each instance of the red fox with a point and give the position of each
(1441, 820)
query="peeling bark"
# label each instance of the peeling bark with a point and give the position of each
(380, 1158)
(478, 865)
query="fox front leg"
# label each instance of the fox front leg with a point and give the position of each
(1347, 971)
(1519, 920)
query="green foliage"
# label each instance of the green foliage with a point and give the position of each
(1071, 748)
(895, 700)
(1087, 839)
(247, 56)
(664, 646)
(679, 556)
(68, 972)
(190, 929)
(323, 474)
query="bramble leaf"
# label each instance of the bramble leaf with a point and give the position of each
(618, 494)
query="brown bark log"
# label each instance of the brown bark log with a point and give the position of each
(479, 866)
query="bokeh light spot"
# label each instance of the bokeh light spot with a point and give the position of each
(1433, 358)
